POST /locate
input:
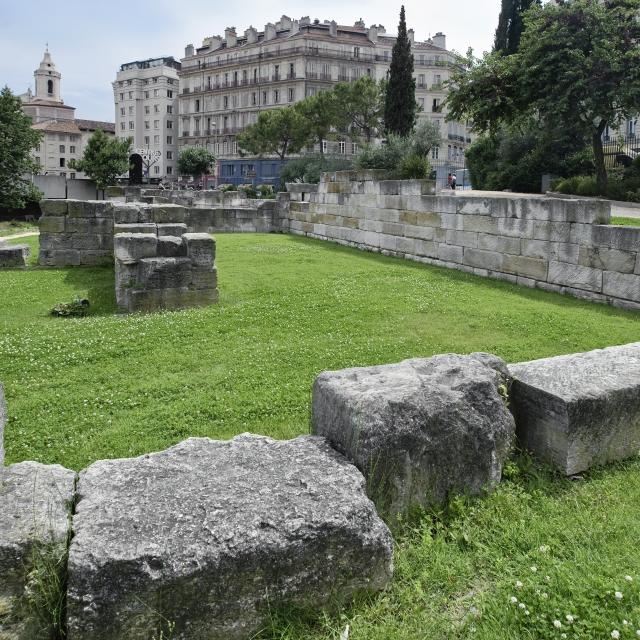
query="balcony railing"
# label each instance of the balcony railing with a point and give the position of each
(186, 90)
(325, 76)
(185, 134)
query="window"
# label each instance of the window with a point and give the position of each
(170, 93)
(169, 124)
(72, 149)
(292, 70)
(169, 139)
(62, 162)
(156, 169)
(156, 108)
(436, 108)
(254, 98)
(122, 111)
(130, 95)
(198, 105)
(146, 141)
(169, 109)
(421, 80)
(128, 83)
(146, 94)
(131, 111)
(264, 97)
(72, 176)
(434, 153)
(169, 170)
(169, 155)
(291, 94)
(37, 160)
(122, 126)
(155, 93)
(276, 97)
(156, 139)
(155, 80)
(146, 124)
(122, 96)
(130, 124)
(225, 102)
(147, 110)
(50, 90)
(169, 80)
(156, 124)
(354, 148)
(324, 146)
(342, 145)
(356, 52)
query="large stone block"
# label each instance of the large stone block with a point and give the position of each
(167, 213)
(136, 227)
(201, 248)
(620, 285)
(35, 503)
(164, 273)
(211, 536)
(579, 410)
(172, 229)
(572, 275)
(419, 430)
(55, 208)
(14, 255)
(51, 224)
(132, 247)
(171, 247)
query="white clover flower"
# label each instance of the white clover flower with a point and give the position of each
(547, 578)
(615, 634)
(638, 633)
(563, 635)
(521, 605)
(534, 568)
(513, 600)
(519, 584)
(527, 612)
(569, 618)
(557, 624)
(628, 578)
(543, 548)
(545, 596)
(618, 595)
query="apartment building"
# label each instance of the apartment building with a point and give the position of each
(146, 106)
(64, 137)
(228, 81)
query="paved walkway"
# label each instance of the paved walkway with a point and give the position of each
(22, 234)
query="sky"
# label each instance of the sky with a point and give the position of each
(89, 40)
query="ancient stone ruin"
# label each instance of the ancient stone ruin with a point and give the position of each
(13, 255)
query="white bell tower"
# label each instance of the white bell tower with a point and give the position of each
(48, 80)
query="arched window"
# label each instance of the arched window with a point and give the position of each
(50, 87)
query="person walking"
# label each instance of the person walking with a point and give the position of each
(449, 181)
(453, 182)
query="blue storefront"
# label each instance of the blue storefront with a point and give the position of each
(254, 171)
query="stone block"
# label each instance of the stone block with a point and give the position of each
(483, 224)
(51, 224)
(535, 248)
(171, 247)
(96, 258)
(607, 259)
(462, 238)
(163, 273)
(552, 231)
(128, 214)
(131, 247)
(500, 244)
(564, 252)
(579, 410)
(450, 253)
(14, 255)
(624, 238)
(136, 227)
(516, 228)
(523, 266)
(576, 276)
(204, 278)
(621, 285)
(483, 259)
(35, 503)
(420, 430)
(172, 229)
(201, 247)
(54, 208)
(190, 536)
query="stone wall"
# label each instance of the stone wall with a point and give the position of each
(161, 266)
(554, 244)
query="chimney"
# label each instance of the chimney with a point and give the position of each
(230, 37)
(251, 35)
(411, 35)
(285, 23)
(373, 33)
(295, 26)
(440, 40)
(305, 21)
(359, 24)
(333, 29)
(269, 31)
(189, 51)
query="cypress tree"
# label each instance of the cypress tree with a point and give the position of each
(511, 25)
(400, 99)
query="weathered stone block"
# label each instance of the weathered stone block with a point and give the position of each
(35, 502)
(171, 247)
(54, 208)
(201, 248)
(483, 224)
(535, 248)
(167, 213)
(501, 244)
(189, 536)
(172, 229)
(572, 275)
(607, 259)
(462, 238)
(96, 258)
(14, 255)
(579, 410)
(622, 285)
(136, 227)
(523, 266)
(129, 213)
(421, 429)
(131, 247)
(51, 224)
(483, 259)
(204, 278)
(450, 253)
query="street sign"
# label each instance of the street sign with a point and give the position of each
(148, 154)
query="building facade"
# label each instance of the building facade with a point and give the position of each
(228, 81)
(64, 137)
(146, 105)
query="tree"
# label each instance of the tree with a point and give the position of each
(277, 131)
(195, 161)
(360, 107)
(577, 67)
(425, 137)
(17, 140)
(104, 158)
(400, 103)
(320, 114)
(511, 25)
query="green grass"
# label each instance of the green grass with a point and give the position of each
(625, 222)
(11, 227)
(111, 386)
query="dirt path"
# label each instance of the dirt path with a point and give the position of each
(22, 234)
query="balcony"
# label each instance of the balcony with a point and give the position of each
(291, 76)
(186, 90)
(312, 75)
(438, 86)
(276, 77)
(325, 76)
(455, 138)
(185, 134)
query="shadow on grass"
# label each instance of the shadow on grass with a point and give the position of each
(489, 284)
(99, 284)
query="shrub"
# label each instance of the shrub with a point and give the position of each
(266, 191)
(415, 166)
(387, 157)
(309, 168)
(77, 308)
(248, 190)
(227, 187)
(587, 186)
(570, 185)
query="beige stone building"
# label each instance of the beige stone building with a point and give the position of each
(227, 81)
(64, 136)
(146, 102)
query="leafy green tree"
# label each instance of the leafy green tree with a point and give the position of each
(17, 140)
(577, 67)
(195, 161)
(360, 107)
(277, 132)
(511, 25)
(104, 158)
(320, 114)
(425, 137)
(400, 102)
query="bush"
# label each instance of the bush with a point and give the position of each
(587, 186)
(569, 185)
(415, 166)
(266, 191)
(77, 308)
(308, 168)
(227, 187)
(387, 157)
(248, 190)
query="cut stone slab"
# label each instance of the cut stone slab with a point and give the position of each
(213, 535)
(201, 248)
(421, 429)
(35, 502)
(131, 247)
(14, 255)
(579, 410)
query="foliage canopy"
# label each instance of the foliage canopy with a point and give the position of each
(104, 158)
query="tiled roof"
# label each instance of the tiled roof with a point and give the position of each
(57, 126)
(38, 102)
(92, 125)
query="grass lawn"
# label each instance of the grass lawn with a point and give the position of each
(11, 227)
(111, 386)
(625, 222)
